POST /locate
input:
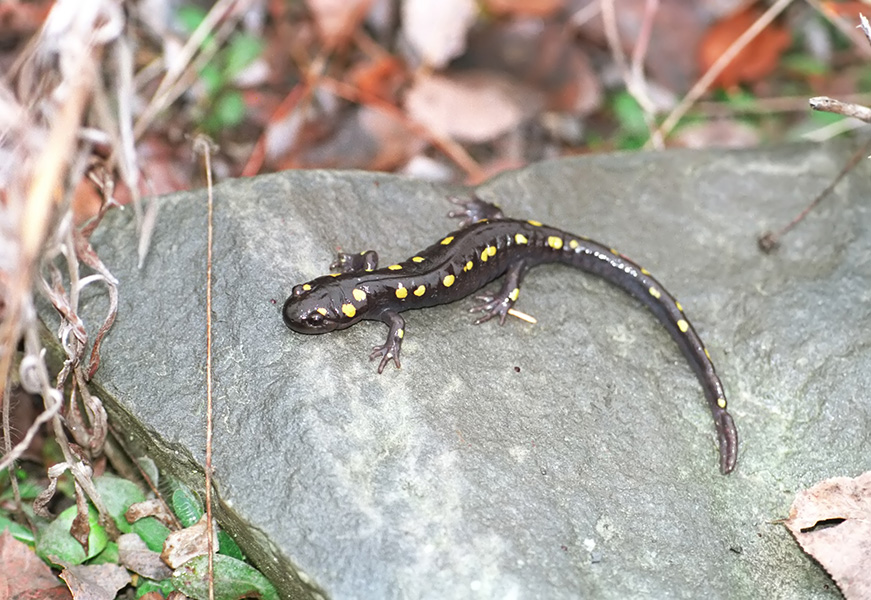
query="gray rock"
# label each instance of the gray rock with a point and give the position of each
(591, 471)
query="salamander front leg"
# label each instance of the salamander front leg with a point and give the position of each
(473, 210)
(360, 262)
(501, 303)
(390, 349)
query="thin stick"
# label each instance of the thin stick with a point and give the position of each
(633, 74)
(826, 104)
(769, 240)
(721, 63)
(202, 145)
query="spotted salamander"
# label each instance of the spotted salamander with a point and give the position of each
(486, 247)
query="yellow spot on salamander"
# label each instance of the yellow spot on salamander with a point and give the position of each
(485, 254)
(448, 280)
(418, 259)
(359, 295)
(555, 242)
(420, 290)
(401, 292)
(683, 325)
(535, 223)
(721, 402)
(679, 307)
(574, 244)
(469, 266)
(400, 334)
(306, 287)
(613, 251)
(349, 310)
(334, 274)
(654, 292)
(491, 250)
(395, 267)
(514, 294)
(708, 354)
(322, 311)
(521, 239)
(644, 271)
(447, 240)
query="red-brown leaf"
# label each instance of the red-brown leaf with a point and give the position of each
(758, 58)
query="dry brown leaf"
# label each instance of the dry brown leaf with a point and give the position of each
(437, 30)
(717, 134)
(472, 106)
(832, 522)
(23, 571)
(756, 61)
(337, 20)
(95, 582)
(574, 86)
(181, 546)
(135, 555)
(367, 138)
(524, 8)
(151, 508)
(381, 77)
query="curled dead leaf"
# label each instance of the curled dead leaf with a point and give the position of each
(151, 508)
(135, 555)
(832, 522)
(181, 546)
(437, 30)
(473, 106)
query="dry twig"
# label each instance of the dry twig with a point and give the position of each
(702, 85)
(203, 146)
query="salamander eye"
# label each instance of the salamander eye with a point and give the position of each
(314, 319)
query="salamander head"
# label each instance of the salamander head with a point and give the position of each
(320, 307)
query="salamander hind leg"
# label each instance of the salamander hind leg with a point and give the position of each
(355, 263)
(501, 303)
(389, 350)
(473, 210)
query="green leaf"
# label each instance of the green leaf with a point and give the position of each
(118, 494)
(629, 114)
(56, 544)
(228, 111)
(149, 585)
(109, 555)
(228, 546)
(19, 532)
(804, 64)
(152, 532)
(233, 579)
(740, 99)
(213, 79)
(186, 506)
(820, 117)
(190, 17)
(242, 51)
(26, 486)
